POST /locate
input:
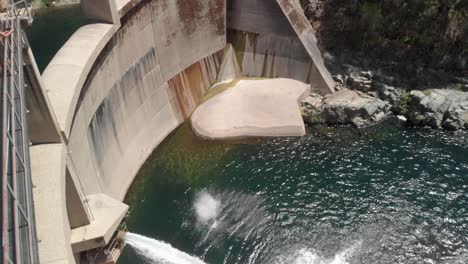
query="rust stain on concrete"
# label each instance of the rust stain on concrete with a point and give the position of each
(189, 12)
(189, 86)
(217, 11)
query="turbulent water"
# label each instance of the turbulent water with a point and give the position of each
(338, 195)
(158, 251)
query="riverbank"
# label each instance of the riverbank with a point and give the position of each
(393, 51)
(436, 108)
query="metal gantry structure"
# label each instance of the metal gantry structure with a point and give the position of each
(19, 241)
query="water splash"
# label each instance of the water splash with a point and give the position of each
(206, 207)
(158, 251)
(229, 212)
(308, 256)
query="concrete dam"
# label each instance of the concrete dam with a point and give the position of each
(121, 84)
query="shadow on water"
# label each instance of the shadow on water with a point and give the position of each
(52, 27)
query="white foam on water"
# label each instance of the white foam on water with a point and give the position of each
(308, 256)
(158, 251)
(206, 207)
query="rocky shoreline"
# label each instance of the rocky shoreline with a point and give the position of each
(363, 102)
(397, 58)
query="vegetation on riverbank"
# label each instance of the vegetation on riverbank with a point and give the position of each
(427, 33)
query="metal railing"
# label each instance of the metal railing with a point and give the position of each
(111, 252)
(19, 242)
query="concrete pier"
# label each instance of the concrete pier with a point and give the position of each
(253, 108)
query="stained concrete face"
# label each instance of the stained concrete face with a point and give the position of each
(267, 44)
(258, 16)
(293, 11)
(187, 31)
(148, 79)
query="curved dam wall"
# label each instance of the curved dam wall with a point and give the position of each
(146, 81)
(118, 87)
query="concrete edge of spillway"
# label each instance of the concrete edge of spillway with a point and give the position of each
(252, 108)
(117, 88)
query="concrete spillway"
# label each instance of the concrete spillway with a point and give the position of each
(252, 108)
(117, 88)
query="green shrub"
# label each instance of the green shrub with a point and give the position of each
(48, 2)
(405, 98)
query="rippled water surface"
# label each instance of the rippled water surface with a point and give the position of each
(338, 195)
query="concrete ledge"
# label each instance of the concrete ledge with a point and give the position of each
(53, 230)
(67, 72)
(108, 214)
(253, 108)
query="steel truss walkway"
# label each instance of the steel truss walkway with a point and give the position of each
(19, 242)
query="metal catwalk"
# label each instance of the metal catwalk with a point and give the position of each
(19, 242)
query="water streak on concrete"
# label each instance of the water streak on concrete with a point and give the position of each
(118, 88)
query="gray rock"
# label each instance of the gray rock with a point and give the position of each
(439, 107)
(385, 79)
(457, 116)
(428, 108)
(388, 93)
(345, 107)
(338, 78)
(359, 81)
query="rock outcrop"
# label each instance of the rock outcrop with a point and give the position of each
(439, 108)
(345, 107)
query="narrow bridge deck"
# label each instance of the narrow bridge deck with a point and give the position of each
(18, 227)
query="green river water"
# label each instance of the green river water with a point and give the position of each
(338, 195)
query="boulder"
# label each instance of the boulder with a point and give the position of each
(388, 93)
(457, 116)
(360, 81)
(345, 107)
(427, 108)
(438, 107)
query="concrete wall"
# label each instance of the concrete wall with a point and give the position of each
(267, 45)
(42, 124)
(130, 83)
(146, 81)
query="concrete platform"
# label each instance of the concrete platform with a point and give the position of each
(108, 214)
(252, 108)
(53, 229)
